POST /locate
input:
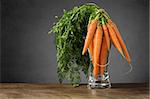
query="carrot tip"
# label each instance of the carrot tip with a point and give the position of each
(130, 70)
(83, 53)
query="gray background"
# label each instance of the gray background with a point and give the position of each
(29, 54)
(0, 42)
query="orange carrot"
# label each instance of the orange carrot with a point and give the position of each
(124, 48)
(91, 47)
(91, 50)
(106, 33)
(114, 39)
(103, 55)
(97, 47)
(90, 34)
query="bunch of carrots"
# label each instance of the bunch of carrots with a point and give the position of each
(101, 32)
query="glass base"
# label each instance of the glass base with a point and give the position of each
(100, 83)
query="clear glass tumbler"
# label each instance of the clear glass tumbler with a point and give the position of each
(102, 81)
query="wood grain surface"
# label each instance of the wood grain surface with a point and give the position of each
(66, 91)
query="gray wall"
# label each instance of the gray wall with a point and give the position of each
(29, 54)
(0, 42)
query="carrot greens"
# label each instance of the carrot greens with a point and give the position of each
(69, 31)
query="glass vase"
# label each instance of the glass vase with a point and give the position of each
(102, 81)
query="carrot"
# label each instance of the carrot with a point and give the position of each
(124, 48)
(91, 50)
(114, 39)
(97, 47)
(91, 47)
(90, 34)
(106, 33)
(103, 55)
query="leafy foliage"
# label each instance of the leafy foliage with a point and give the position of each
(69, 32)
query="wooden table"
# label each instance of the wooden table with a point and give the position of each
(65, 91)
